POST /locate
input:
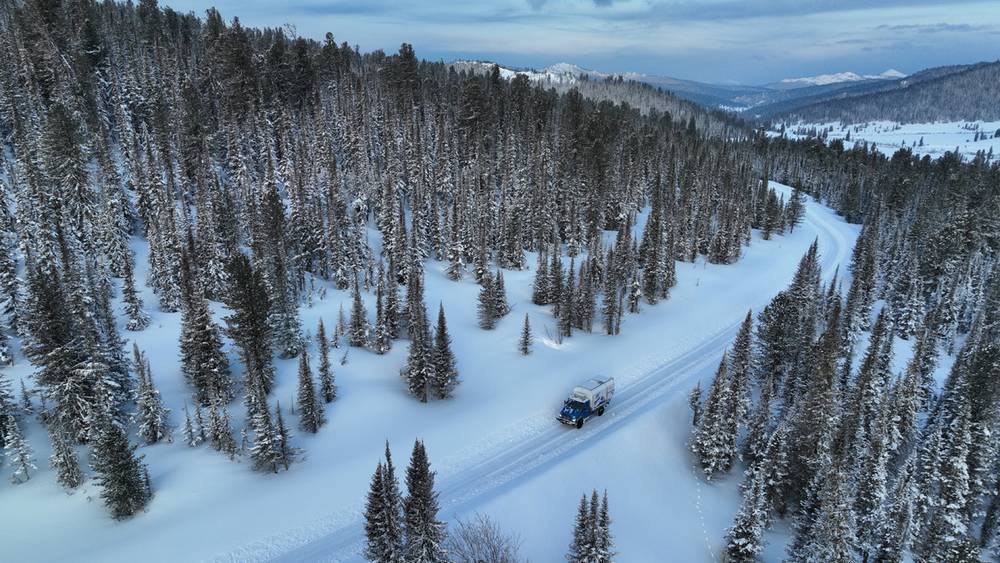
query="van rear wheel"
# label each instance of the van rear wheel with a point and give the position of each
(600, 411)
(579, 423)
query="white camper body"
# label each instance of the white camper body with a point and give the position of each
(595, 391)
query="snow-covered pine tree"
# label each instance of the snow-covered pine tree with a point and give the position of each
(8, 406)
(285, 453)
(592, 540)
(773, 211)
(524, 343)
(895, 531)
(63, 459)
(151, 417)
(540, 287)
(376, 548)
(165, 253)
(54, 351)
(871, 386)
(775, 463)
(10, 284)
(948, 535)
(501, 307)
(758, 429)
(795, 209)
(445, 370)
(745, 539)
(590, 282)
(339, 329)
(907, 403)
(191, 434)
(203, 362)
(774, 341)
(568, 301)
(132, 303)
(358, 329)
(487, 312)
(271, 256)
(327, 387)
(555, 283)
(609, 307)
(310, 410)
(651, 248)
(264, 448)
(579, 547)
(714, 442)
(19, 454)
(816, 414)
(66, 167)
(248, 326)
(456, 245)
(107, 404)
(424, 533)
(381, 340)
(393, 509)
(871, 483)
(120, 473)
(694, 401)
(831, 535)
(419, 369)
(392, 313)
(220, 431)
(605, 540)
(6, 357)
(740, 368)
(860, 295)
(634, 295)
(481, 266)
(383, 517)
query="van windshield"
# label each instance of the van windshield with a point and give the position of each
(574, 405)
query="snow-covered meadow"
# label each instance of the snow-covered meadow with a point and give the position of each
(933, 139)
(495, 446)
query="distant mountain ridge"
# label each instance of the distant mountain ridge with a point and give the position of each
(729, 97)
(824, 79)
(710, 95)
(948, 93)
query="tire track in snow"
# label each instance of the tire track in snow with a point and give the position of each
(490, 475)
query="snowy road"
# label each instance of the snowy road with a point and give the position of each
(464, 488)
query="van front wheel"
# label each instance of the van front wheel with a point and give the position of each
(579, 423)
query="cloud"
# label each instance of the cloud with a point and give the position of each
(936, 27)
(709, 10)
(752, 41)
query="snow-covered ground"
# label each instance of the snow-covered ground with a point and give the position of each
(932, 139)
(495, 446)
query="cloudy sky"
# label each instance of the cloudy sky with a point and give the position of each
(729, 41)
